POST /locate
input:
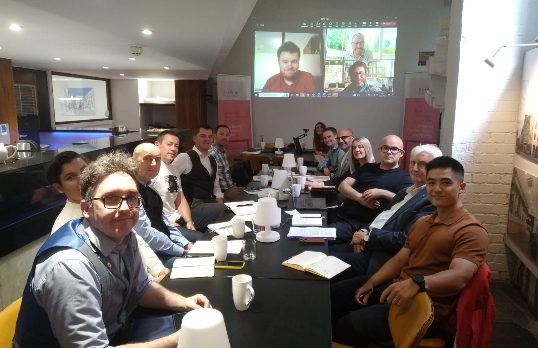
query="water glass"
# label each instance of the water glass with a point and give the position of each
(249, 249)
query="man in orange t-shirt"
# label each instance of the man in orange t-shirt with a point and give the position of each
(290, 78)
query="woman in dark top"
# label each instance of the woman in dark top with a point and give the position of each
(320, 149)
(362, 153)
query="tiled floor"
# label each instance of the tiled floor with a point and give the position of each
(515, 326)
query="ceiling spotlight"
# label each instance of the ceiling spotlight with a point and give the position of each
(122, 74)
(489, 61)
(57, 58)
(166, 68)
(15, 27)
(132, 58)
(105, 67)
(147, 32)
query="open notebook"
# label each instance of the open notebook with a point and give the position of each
(317, 263)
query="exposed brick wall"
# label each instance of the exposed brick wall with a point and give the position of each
(483, 109)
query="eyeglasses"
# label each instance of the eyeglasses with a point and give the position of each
(357, 43)
(420, 164)
(361, 74)
(393, 149)
(343, 137)
(115, 202)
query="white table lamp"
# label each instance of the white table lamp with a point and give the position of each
(289, 162)
(280, 182)
(279, 144)
(267, 214)
(203, 328)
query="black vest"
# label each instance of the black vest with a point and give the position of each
(153, 205)
(198, 183)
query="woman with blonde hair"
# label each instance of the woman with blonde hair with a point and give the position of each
(362, 153)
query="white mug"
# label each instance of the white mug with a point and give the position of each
(296, 190)
(301, 180)
(243, 292)
(220, 247)
(238, 228)
(262, 144)
(264, 180)
(302, 170)
(300, 161)
(265, 168)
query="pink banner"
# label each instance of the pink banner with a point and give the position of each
(421, 126)
(234, 111)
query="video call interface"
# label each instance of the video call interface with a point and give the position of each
(334, 59)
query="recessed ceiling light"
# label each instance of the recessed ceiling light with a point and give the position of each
(105, 67)
(166, 68)
(0, 48)
(122, 74)
(15, 27)
(57, 58)
(132, 58)
(147, 32)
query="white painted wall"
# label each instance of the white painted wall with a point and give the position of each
(125, 106)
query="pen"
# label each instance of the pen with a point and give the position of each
(244, 205)
(287, 220)
(366, 293)
(198, 255)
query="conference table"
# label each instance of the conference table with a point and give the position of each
(291, 308)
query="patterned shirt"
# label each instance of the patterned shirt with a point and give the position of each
(225, 177)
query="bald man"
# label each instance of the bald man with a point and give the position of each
(368, 190)
(148, 160)
(358, 50)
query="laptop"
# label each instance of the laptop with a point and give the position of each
(310, 203)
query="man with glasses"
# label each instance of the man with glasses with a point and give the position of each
(89, 273)
(368, 190)
(374, 244)
(199, 174)
(335, 154)
(358, 73)
(358, 52)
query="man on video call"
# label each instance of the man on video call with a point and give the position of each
(358, 52)
(290, 78)
(358, 73)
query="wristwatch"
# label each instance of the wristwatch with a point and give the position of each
(421, 282)
(367, 234)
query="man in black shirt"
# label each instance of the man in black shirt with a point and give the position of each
(369, 189)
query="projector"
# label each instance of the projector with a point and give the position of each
(136, 50)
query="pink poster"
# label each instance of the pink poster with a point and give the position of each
(234, 110)
(421, 126)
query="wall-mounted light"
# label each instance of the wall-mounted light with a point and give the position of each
(489, 61)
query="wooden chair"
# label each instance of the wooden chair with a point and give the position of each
(255, 161)
(409, 323)
(277, 161)
(8, 319)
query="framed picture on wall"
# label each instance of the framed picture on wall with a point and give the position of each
(80, 98)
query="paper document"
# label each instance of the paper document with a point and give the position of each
(225, 228)
(263, 192)
(193, 267)
(302, 220)
(243, 208)
(205, 247)
(298, 232)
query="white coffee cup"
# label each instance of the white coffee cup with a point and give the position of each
(301, 180)
(238, 228)
(264, 180)
(243, 292)
(220, 247)
(265, 168)
(302, 170)
(262, 144)
(296, 190)
(300, 161)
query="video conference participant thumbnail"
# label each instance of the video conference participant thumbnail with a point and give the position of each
(290, 78)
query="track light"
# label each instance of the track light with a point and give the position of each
(489, 61)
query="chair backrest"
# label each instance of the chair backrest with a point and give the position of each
(408, 323)
(8, 320)
(255, 161)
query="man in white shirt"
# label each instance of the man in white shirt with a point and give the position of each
(168, 185)
(199, 174)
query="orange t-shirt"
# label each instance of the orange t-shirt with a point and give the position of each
(303, 84)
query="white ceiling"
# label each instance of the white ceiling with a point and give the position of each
(192, 37)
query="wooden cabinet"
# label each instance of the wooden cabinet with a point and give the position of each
(8, 111)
